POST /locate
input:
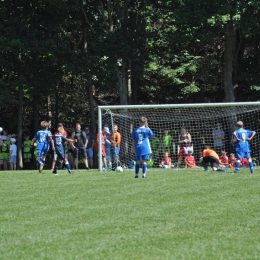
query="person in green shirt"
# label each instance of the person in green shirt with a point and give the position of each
(155, 146)
(5, 153)
(27, 155)
(167, 139)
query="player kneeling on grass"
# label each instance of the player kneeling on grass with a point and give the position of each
(190, 161)
(209, 156)
(58, 145)
(141, 145)
(166, 161)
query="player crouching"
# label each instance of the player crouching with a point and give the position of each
(209, 156)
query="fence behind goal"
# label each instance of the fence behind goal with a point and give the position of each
(200, 120)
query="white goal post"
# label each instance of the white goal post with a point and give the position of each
(199, 119)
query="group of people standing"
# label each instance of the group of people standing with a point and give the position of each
(80, 143)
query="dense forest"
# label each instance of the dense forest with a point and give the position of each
(60, 59)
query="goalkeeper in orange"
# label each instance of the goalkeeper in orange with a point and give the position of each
(115, 139)
(209, 156)
(190, 161)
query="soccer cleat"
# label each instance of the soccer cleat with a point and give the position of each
(136, 176)
(144, 176)
(41, 167)
(235, 172)
(207, 170)
(55, 173)
(71, 172)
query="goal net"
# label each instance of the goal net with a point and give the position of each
(166, 121)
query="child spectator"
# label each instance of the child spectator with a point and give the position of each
(244, 162)
(232, 161)
(13, 153)
(190, 161)
(223, 159)
(166, 161)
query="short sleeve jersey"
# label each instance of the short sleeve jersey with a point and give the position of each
(13, 148)
(223, 159)
(166, 140)
(43, 140)
(209, 152)
(59, 140)
(166, 161)
(190, 160)
(90, 138)
(243, 134)
(218, 142)
(141, 137)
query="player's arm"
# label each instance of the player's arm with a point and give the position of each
(85, 136)
(52, 144)
(118, 141)
(93, 142)
(189, 138)
(236, 138)
(252, 135)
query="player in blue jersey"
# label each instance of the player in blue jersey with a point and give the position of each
(242, 136)
(141, 145)
(58, 145)
(43, 138)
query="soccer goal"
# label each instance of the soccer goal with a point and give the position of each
(166, 121)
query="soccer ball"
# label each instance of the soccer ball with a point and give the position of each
(119, 169)
(1, 130)
(166, 167)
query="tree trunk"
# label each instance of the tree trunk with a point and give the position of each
(123, 81)
(228, 64)
(91, 103)
(20, 129)
(36, 113)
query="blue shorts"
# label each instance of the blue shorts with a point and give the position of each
(145, 157)
(115, 151)
(61, 156)
(90, 152)
(107, 149)
(41, 152)
(82, 151)
(241, 155)
(12, 159)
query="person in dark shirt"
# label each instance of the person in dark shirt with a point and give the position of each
(80, 146)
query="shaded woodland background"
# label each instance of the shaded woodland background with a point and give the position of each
(60, 59)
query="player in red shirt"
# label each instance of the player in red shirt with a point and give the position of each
(244, 162)
(166, 161)
(232, 161)
(103, 140)
(190, 161)
(223, 159)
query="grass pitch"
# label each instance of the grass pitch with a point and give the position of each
(173, 214)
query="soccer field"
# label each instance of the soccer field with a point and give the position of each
(172, 214)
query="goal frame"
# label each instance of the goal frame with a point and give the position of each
(156, 106)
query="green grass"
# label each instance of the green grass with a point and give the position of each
(184, 214)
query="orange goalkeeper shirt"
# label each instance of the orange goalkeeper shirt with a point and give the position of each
(209, 152)
(115, 139)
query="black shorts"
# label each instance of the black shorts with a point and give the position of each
(214, 162)
(80, 150)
